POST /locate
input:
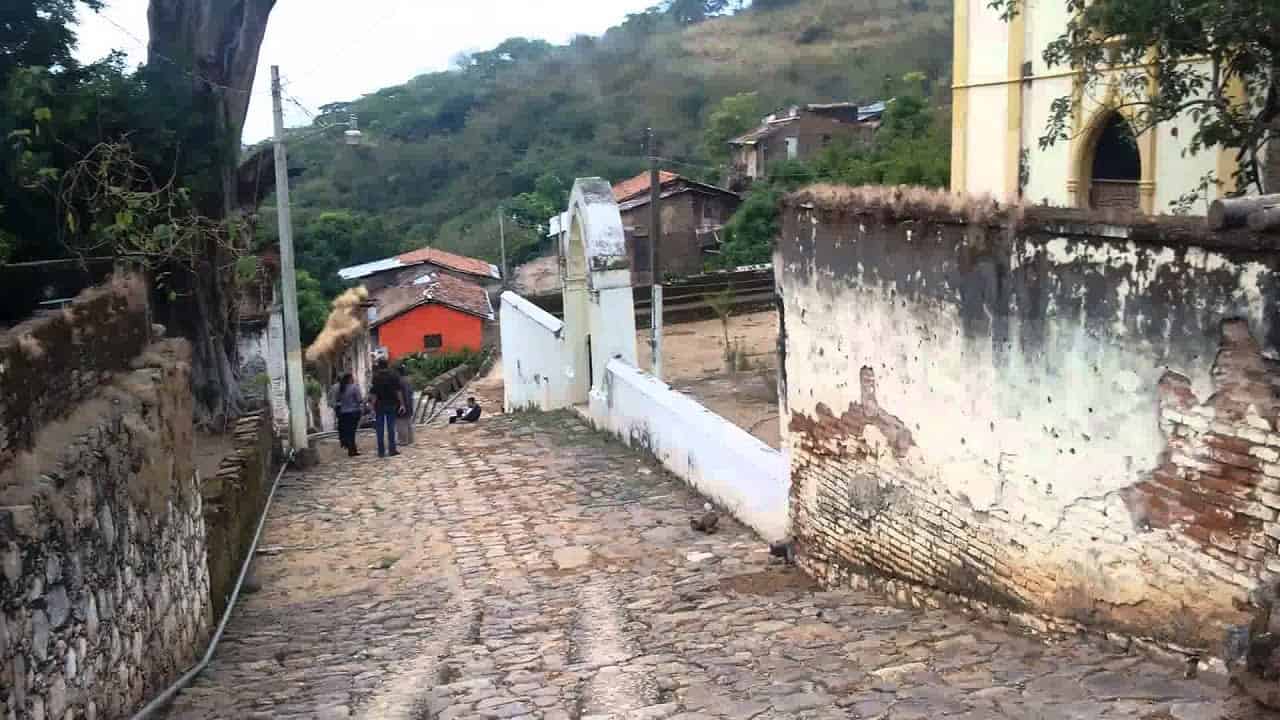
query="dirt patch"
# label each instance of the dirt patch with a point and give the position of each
(694, 364)
(770, 582)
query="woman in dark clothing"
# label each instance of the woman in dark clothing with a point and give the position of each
(350, 407)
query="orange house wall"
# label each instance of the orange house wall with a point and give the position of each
(404, 335)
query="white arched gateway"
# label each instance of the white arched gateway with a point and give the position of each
(599, 311)
(588, 362)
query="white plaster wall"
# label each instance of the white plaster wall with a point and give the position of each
(988, 118)
(1035, 447)
(1077, 420)
(535, 363)
(1045, 21)
(278, 384)
(1050, 168)
(721, 460)
(988, 44)
(1177, 170)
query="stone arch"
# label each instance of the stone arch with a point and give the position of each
(599, 313)
(1112, 164)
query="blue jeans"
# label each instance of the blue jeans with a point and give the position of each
(385, 423)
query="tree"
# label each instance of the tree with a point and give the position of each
(688, 12)
(204, 54)
(731, 117)
(313, 309)
(1215, 61)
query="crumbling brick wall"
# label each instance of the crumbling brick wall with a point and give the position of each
(1036, 410)
(103, 580)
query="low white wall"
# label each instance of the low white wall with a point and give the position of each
(721, 460)
(534, 361)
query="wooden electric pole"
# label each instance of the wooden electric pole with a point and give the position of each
(655, 241)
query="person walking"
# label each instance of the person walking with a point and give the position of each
(404, 423)
(387, 405)
(348, 404)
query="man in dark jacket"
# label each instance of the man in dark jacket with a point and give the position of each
(469, 414)
(388, 403)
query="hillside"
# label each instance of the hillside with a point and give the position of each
(516, 124)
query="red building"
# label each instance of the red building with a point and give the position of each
(435, 313)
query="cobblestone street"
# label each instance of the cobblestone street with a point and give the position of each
(528, 567)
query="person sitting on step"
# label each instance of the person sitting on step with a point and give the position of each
(469, 414)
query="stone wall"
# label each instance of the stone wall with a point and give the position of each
(1033, 410)
(103, 581)
(233, 503)
(112, 319)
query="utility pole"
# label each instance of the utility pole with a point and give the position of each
(655, 240)
(502, 240)
(288, 282)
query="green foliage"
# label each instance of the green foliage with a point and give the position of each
(912, 147)
(513, 126)
(423, 368)
(750, 232)
(1175, 58)
(732, 116)
(313, 309)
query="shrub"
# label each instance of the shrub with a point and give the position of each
(424, 368)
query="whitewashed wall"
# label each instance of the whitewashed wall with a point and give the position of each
(536, 369)
(719, 459)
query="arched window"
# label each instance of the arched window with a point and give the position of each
(1116, 166)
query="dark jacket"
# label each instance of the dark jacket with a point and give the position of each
(385, 391)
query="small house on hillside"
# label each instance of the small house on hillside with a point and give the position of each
(408, 267)
(799, 133)
(434, 313)
(693, 218)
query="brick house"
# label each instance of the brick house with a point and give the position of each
(799, 133)
(434, 313)
(693, 217)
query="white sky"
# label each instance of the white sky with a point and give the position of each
(330, 50)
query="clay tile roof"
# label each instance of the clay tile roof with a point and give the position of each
(437, 287)
(628, 189)
(440, 258)
(460, 263)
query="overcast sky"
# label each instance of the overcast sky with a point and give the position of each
(331, 50)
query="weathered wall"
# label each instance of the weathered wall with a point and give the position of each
(112, 319)
(721, 460)
(1036, 412)
(261, 348)
(233, 501)
(104, 590)
(535, 363)
(680, 253)
(103, 583)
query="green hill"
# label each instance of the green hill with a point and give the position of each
(516, 124)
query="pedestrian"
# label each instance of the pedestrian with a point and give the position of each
(387, 405)
(468, 414)
(348, 406)
(404, 423)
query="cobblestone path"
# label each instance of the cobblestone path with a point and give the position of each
(526, 567)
